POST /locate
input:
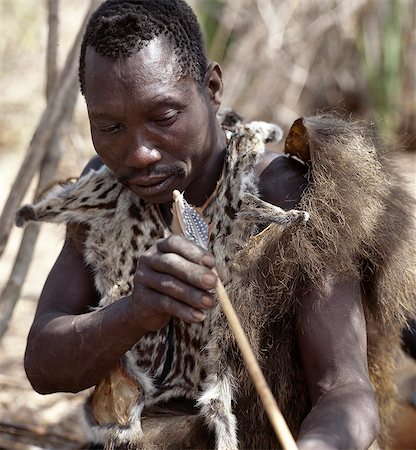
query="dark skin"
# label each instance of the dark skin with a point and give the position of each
(157, 132)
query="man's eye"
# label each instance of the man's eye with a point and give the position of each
(110, 128)
(167, 119)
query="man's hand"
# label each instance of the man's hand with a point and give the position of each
(173, 279)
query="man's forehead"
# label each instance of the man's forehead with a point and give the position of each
(156, 62)
(150, 77)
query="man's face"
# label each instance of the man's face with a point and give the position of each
(155, 130)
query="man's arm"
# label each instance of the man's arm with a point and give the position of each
(331, 336)
(67, 348)
(332, 341)
(70, 349)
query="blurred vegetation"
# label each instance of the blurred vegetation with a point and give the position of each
(384, 40)
(19, 102)
(281, 59)
(23, 40)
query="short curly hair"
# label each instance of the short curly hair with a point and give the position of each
(119, 28)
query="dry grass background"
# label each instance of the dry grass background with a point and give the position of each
(281, 59)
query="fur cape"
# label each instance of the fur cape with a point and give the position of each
(361, 225)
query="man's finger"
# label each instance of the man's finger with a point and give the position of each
(180, 310)
(186, 271)
(187, 249)
(172, 287)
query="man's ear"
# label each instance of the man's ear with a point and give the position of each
(213, 84)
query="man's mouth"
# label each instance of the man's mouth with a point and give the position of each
(150, 186)
(148, 181)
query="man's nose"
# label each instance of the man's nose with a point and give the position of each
(142, 154)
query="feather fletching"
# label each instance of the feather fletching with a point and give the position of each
(187, 221)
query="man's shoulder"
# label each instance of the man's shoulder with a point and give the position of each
(282, 180)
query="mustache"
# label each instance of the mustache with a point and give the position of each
(156, 172)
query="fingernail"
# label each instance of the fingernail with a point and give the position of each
(198, 315)
(209, 280)
(208, 261)
(207, 301)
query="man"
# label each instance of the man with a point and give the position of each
(152, 101)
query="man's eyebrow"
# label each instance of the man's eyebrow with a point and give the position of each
(101, 115)
(165, 99)
(152, 103)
